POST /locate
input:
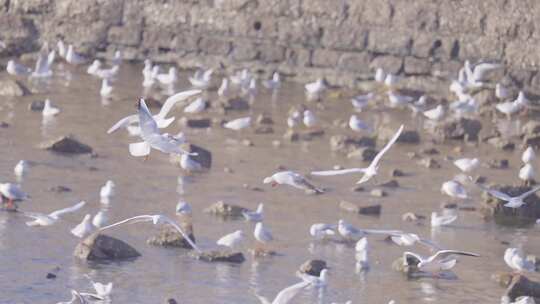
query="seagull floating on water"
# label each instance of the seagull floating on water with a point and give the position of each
(107, 191)
(357, 125)
(467, 165)
(321, 230)
(49, 110)
(362, 249)
(183, 208)
(454, 189)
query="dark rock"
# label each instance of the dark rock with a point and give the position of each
(521, 286)
(12, 88)
(171, 301)
(532, 140)
(306, 135)
(406, 137)
(222, 209)
(389, 184)
(170, 237)
(367, 210)
(364, 153)
(378, 193)
(524, 215)
(67, 145)
(429, 151)
(264, 119)
(50, 276)
(200, 123)
(220, 256)
(313, 267)
(4, 124)
(235, 104)
(501, 143)
(480, 179)
(37, 105)
(458, 129)
(358, 189)
(100, 247)
(60, 189)
(346, 144)
(203, 157)
(153, 103)
(397, 173)
(264, 130)
(429, 163)
(498, 164)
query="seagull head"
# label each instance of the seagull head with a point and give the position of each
(270, 180)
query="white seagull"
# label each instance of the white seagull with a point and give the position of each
(85, 228)
(107, 191)
(201, 79)
(106, 88)
(309, 119)
(454, 189)
(17, 69)
(189, 164)
(292, 179)
(169, 78)
(527, 173)
(357, 125)
(254, 216)
(315, 88)
(73, 58)
(262, 234)
(398, 100)
(100, 219)
(232, 240)
(444, 219)
(511, 202)
(380, 75)
(359, 102)
(435, 114)
(528, 155)
(41, 219)
(373, 167)
(361, 255)
(12, 193)
(479, 71)
(274, 83)
(223, 88)
(467, 165)
(44, 63)
(516, 259)
(238, 124)
(286, 295)
(441, 260)
(49, 110)
(183, 208)
(21, 169)
(321, 230)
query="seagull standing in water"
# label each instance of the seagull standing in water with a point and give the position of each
(201, 79)
(292, 179)
(262, 234)
(369, 172)
(73, 58)
(49, 110)
(528, 156)
(361, 256)
(21, 169)
(274, 83)
(85, 228)
(106, 192)
(41, 219)
(359, 102)
(357, 125)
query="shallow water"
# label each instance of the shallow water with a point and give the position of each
(149, 187)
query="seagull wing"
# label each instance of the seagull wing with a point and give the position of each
(56, 214)
(131, 220)
(380, 231)
(386, 148)
(171, 101)
(287, 294)
(123, 123)
(498, 194)
(443, 254)
(481, 69)
(146, 122)
(338, 172)
(526, 194)
(411, 258)
(34, 215)
(41, 64)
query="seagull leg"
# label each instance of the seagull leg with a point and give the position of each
(146, 157)
(10, 205)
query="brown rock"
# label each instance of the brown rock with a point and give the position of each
(313, 267)
(364, 153)
(12, 88)
(220, 256)
(200, 123)
(458, 129)
(346, 144)
(100, 247)
(429, 163)
(521, 286)
(170, 237)
(226, 210)
(367, 210)
(378, 193)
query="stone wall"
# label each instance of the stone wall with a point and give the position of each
(344, 40)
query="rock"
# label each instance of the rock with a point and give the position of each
(429, 151)
(313, 267)
(36, 105)
(367, 210)
(220, 256)
(264, 119)
(346, 144)
(532, 140)
(67, 145)
(222, 209)
(4, 124)
(306, 135)
(458, 129)
(365, 154)
(389, 184)
(377, 193)
(264, 130)
(521, 286)
(429, 163)
(169, 237)
(406, 137)
(200, 123)
(525, 215)
(531, 128)
(60, 189)
(397, 173)
(12, 88)
(498, 164)
(203, 157)
(501, 143)
(235, 104)
(100, 247)
(50, 276)
(171, 301)
(358, 189)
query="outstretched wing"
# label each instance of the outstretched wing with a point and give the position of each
(443, 254)
(58, 213)
(338, 172)
(498, 194)
(171, 101)
(381, 231)
(123, 123)
(411, 258)
(287, 294)
(146, 121)
(386, 148)
(533, 190)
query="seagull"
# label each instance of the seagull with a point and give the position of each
(21, 169)
(76, 298)
(232, 240)
(294, 119)
(435, 114)
(391, 80)
(511, 107)
(479, 71)
(197, 106)
(73, 58)
(250, 89)
(92, 69)
(254, 216)
(152, 138)
(262, 234)
(380, 75)
(441, 260)
(512, 202)
(321, 230)
(410, 239)
(241, 78)
(183, 208)
(100, 219)
(106, 88)
(17, 69)
(189, 164)
(527, 173)
(274, 83)
(160, 119)
(107, 191)
(516, 259)
(398, 100)
(103, 291)
(316, 88)
(501, 92)
(12, 193)
(85, 228)
(318, 282)
(309, 119)
(286, 295)
(361, 256)
(444, 219)
(169, 78)
(357, 125)
(528, 155)
(117, 59)
(223, 88)
(201, 79)
(373, 167)
(49, 110)
(464, 107)
(292, 179)
(418, 106)
(454, 189)
(61, 48)
(44, 63)
(107, 73)
(467, 165)
(41, 219)
(359, 102)
(349, 232)
(238, 124)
